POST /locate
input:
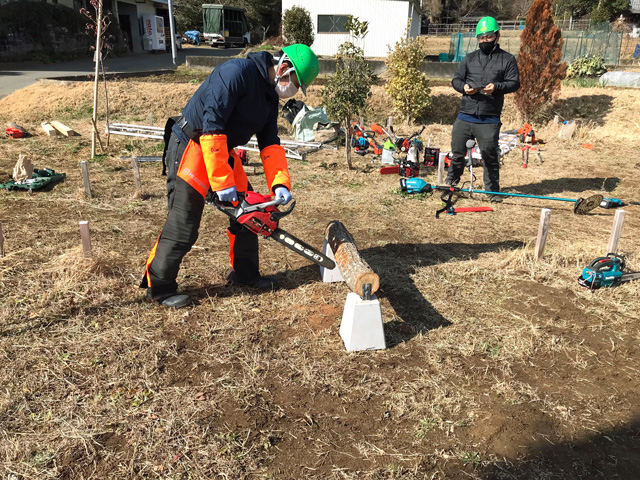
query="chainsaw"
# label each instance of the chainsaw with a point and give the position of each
(606, 272)
(259, 214)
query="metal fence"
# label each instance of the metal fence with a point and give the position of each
(440, 29)
(576, 44)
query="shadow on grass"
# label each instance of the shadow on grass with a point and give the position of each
(578, 185)
(396, 263)
(610, 454)
(592, 108)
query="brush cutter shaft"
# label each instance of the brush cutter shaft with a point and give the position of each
(507, 194)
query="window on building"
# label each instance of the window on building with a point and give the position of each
(332, 23)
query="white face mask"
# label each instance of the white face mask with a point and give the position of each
(287, 91)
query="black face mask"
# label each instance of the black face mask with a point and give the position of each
(487, 47)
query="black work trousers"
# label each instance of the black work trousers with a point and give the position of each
(180, 233)
(487, 136)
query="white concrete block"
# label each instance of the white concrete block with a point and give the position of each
(330, 275)
(361, 327)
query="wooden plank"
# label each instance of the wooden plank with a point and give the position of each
(48, 129)
(85, 178)
(136, 172)
(63, 129)
(85, 234)
(543, 229)
(616, 231)
(356, 272)
(1, 242)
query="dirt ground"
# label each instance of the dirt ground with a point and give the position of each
(498, 366)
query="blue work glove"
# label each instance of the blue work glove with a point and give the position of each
(228, 194)
(282, 193)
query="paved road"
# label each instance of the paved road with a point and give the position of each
(14, 76)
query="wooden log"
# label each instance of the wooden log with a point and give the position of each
(48, 129)
(63, 129)
(85, 234)
(356, 272)
(543, 229)
(85, 178)
(616, 231)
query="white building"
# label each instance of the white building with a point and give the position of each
(387, 19)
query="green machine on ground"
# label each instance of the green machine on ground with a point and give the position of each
(41, 178)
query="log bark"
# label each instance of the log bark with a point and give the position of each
(354, 269)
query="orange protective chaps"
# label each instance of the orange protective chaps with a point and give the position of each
(180, 231)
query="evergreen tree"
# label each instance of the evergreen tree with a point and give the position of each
(539, 60)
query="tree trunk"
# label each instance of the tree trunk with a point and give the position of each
(354, 269)
(347, 142)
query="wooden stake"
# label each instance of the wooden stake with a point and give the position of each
(543, 229)
(86, 238)
(151, 119)
(1, 242)
(441, 168)
(616, 231)
(389, 122)
(355, 271)
(85, 178)
(136, 172)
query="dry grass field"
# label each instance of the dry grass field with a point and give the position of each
(498, 366)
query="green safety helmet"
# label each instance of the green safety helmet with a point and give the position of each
(305, 63)
(487, 26)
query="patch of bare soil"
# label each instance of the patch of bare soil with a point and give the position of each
(498, 365)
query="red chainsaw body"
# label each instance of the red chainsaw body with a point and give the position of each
(259, 222)
(14, 132)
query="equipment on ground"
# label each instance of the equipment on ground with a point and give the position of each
(417, 185)
(606, 272)
(612, 203)
(15, 131)
(431, 156)
(259, 214)
(292, 148)
(41, 178)
(409, 165)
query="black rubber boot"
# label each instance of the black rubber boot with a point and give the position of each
(259, 282)
(170, 300)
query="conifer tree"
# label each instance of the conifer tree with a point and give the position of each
(539, 60)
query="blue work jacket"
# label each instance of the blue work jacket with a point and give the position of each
(237, 100)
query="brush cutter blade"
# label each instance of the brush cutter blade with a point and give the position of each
(585, 205)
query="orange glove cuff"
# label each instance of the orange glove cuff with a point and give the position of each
(275, 166)
(216, 161)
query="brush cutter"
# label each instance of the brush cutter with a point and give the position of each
(259, 214)
(606, 272)
(417, 185)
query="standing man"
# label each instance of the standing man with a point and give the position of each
(237, 100)
(483, 77)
